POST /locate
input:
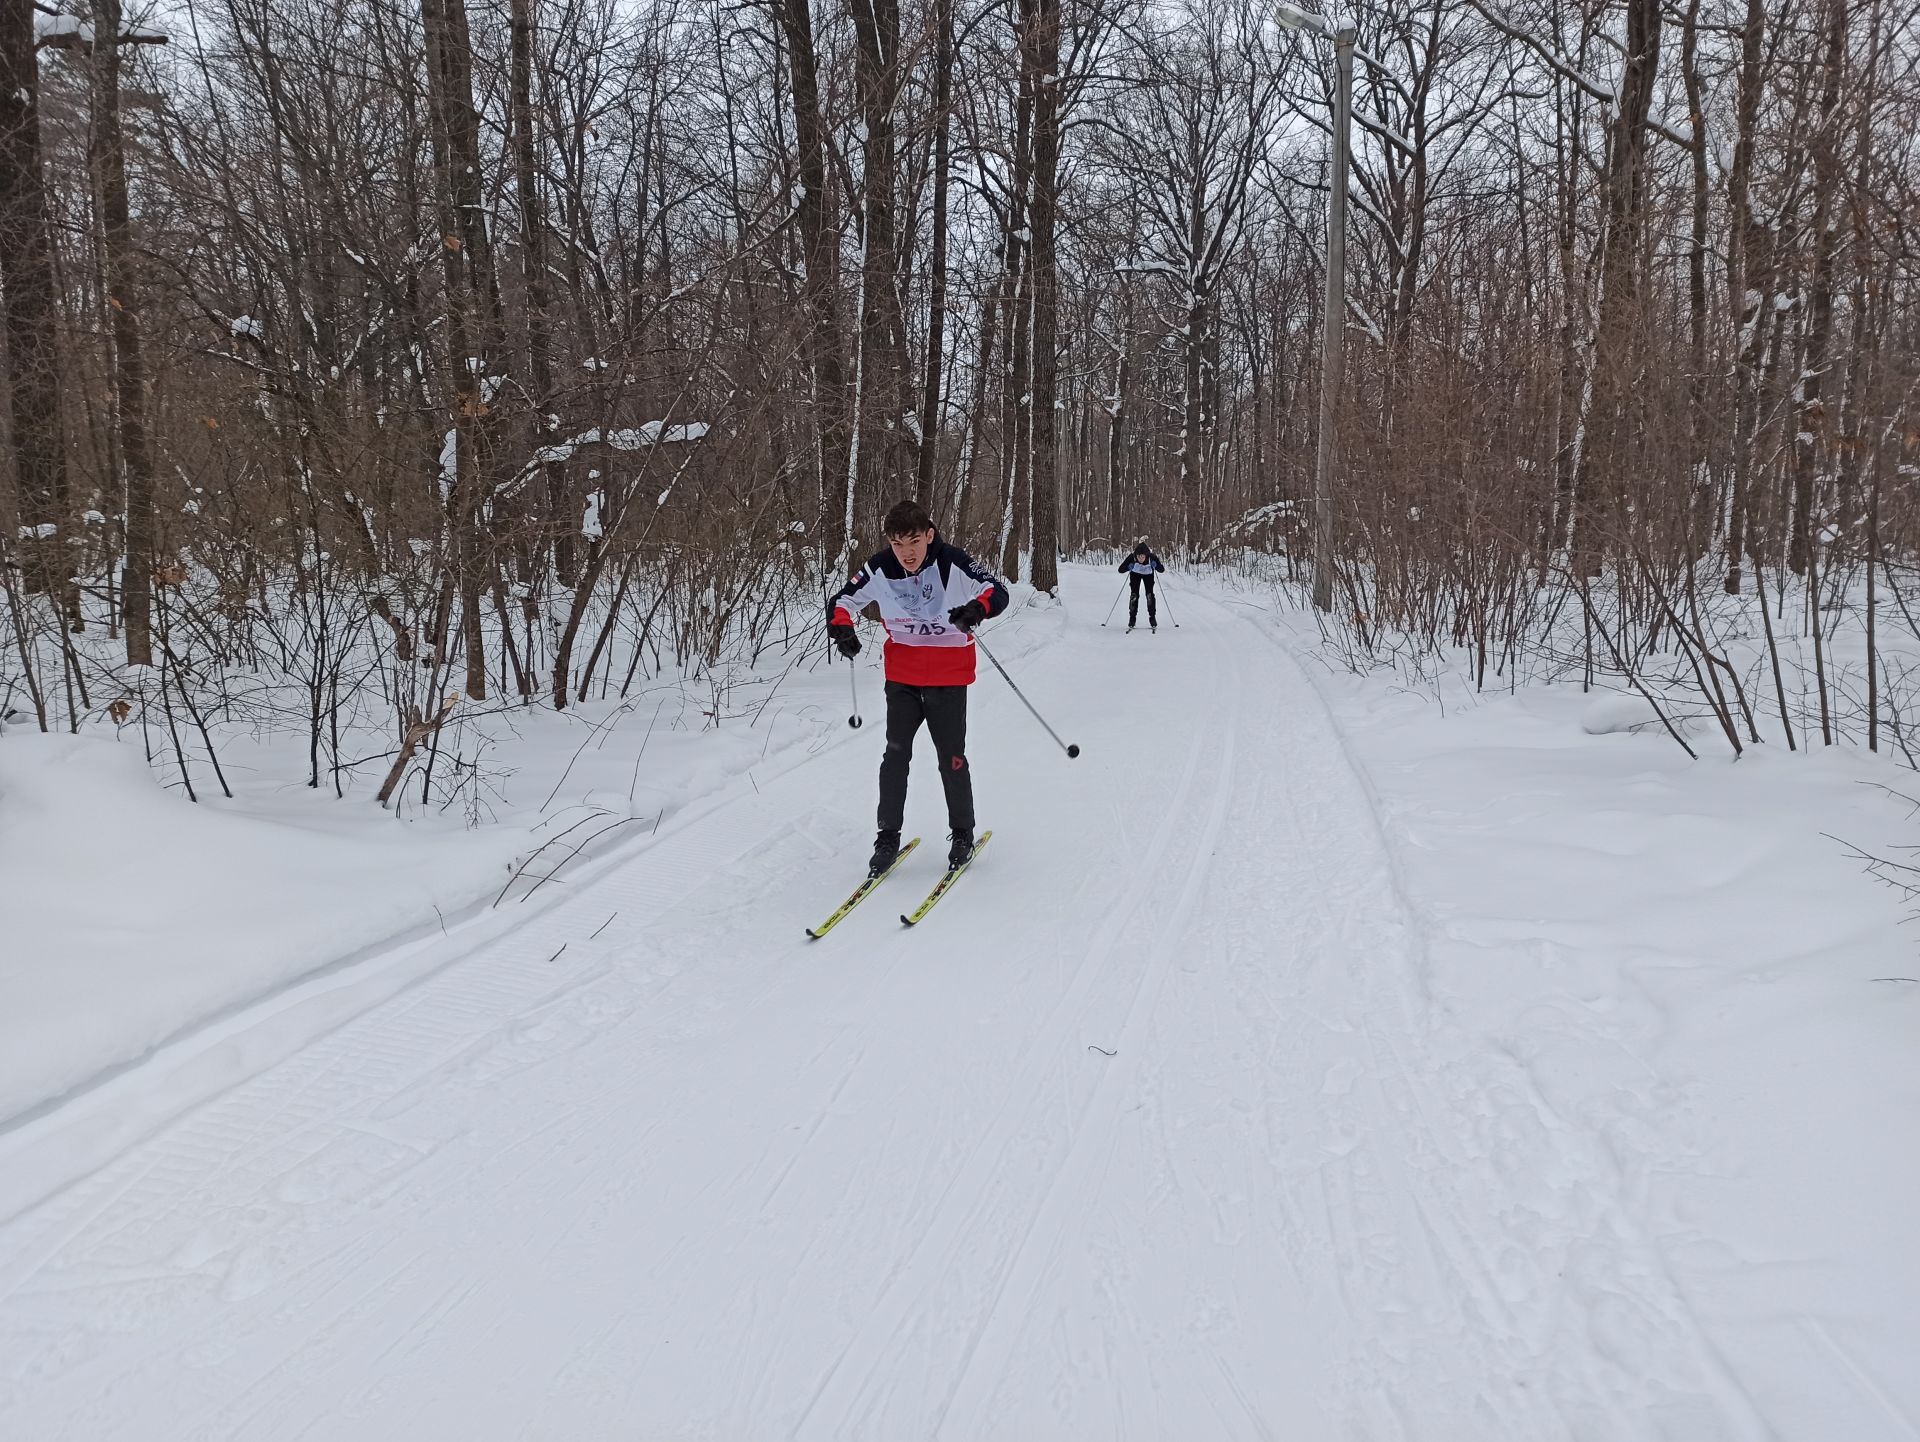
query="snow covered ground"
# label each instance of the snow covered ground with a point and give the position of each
(133, 914)
(1693, 978)
(1297, 1063)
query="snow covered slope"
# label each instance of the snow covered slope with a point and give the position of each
(128, 914)
(1156, 1129)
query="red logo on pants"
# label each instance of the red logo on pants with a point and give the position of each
(959, 763)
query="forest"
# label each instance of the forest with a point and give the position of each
(364, 361)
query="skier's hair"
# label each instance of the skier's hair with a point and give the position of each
(909, 518)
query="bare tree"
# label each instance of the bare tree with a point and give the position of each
(819, 245)
(32, 299)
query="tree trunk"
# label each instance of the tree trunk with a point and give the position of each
(1605, 459)
(930, 404)
(1807, 447)
(533, 265)
(1017, 425)
(1016, 395)
(1044, 44)
(1744, 302)
(1116, 436)
(820, 248)
(129, 364)
(1569, 406)
(1697, 420)
(473, 314)
(32, 299)
(886, 388)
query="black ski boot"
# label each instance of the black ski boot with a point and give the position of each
(961, 852)
(886, 850)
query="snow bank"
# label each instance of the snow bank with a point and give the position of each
(1691, 967)
(1607, 714)
(128, 914)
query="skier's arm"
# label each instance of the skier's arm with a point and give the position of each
(991, 593)
(844, 603)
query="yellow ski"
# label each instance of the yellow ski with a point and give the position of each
(860, 895)
(940, 887)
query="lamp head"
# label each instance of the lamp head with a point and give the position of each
(1295, 18)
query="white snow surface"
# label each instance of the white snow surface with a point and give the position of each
(130, 913)
(1306, 1060)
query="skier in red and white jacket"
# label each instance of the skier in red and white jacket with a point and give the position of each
(930, 595)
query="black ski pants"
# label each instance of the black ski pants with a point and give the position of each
(944, 709)
(1133, 599)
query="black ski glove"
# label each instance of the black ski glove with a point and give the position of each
(845, 639)
(968, 616)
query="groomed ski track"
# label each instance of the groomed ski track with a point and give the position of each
(1149, 1131)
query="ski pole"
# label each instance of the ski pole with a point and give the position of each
(853, 685)
(1116, 603)
(1072, 751)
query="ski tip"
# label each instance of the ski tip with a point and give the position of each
(906, 920)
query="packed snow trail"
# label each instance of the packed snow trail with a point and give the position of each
(1148, 1132)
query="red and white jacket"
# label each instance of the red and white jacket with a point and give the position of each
(923, 648)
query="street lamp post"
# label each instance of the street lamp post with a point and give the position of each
(1334, 317)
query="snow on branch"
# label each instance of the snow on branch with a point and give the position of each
(61, 30)
(1284, 512)
(1152, 267)
(71, 32)
(1605, 94)
(1366, 321)
(652, 433)
(1374, 127)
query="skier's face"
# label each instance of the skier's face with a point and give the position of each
(911, 550)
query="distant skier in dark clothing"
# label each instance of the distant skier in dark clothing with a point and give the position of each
(1141, 567)
(931, 595)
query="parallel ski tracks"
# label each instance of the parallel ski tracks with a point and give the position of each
(1360, 1172)
(834, 1410)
